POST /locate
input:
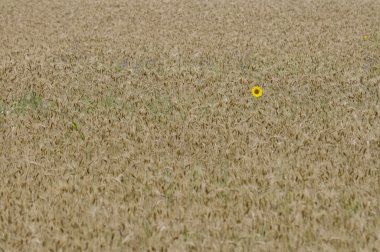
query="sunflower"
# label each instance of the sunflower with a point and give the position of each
(257, 91)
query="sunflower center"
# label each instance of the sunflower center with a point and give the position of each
(256, 91)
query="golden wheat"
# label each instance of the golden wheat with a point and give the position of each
(130, 125)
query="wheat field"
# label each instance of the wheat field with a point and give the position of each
(130, 125)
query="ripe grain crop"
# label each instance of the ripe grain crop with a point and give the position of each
(131, 126)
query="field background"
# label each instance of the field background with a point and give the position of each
(129, 125)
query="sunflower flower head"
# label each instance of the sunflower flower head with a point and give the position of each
(257, 91)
